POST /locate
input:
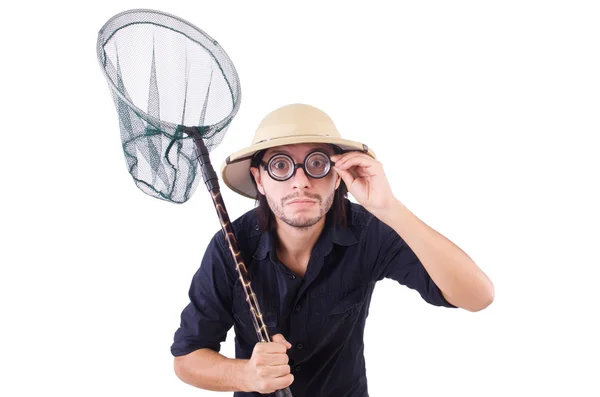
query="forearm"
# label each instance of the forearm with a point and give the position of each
(461, 281)
(209, 370)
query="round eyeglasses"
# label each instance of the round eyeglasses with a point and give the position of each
(281, 167)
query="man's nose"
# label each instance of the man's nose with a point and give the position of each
(300, 179)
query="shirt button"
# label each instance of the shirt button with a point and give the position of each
(292, 277)
(298, 308)
(298, 368)
(300, 346)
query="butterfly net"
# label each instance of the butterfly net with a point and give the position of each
(166, 77)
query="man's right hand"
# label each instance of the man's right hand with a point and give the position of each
(268, 369)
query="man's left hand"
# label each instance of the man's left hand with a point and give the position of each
(365, 179)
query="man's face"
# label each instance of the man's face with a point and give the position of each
(300, 201)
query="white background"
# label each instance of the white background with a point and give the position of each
(485, 117)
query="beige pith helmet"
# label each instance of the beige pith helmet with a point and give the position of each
(290, 124)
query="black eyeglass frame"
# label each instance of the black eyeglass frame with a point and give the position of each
(296, 165)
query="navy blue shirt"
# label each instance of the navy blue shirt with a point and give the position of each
(322, 314)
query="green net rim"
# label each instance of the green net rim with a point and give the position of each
(114, 24)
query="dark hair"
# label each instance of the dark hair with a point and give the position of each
(337, 212)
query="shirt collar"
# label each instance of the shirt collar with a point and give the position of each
(332, 234)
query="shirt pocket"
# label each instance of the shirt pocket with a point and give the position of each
(348, 303)
(336, 308)
(334, 315)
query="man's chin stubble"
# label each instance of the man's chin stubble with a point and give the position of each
(301, 223)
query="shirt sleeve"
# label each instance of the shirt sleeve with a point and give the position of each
(395, 260)
(208, 317)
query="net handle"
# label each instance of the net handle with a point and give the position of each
(212, 184)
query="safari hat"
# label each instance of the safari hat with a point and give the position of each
(287, 125)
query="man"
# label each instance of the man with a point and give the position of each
(313, 258)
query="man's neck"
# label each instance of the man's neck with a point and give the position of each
(294, 245)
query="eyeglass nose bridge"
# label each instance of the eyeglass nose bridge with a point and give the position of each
(300, 165)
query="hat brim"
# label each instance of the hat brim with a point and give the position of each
(235, 170)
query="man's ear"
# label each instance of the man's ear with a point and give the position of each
(256, 174)
(338, 180)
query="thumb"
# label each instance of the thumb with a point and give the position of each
(278, 338)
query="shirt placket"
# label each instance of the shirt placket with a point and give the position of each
(299, 318)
